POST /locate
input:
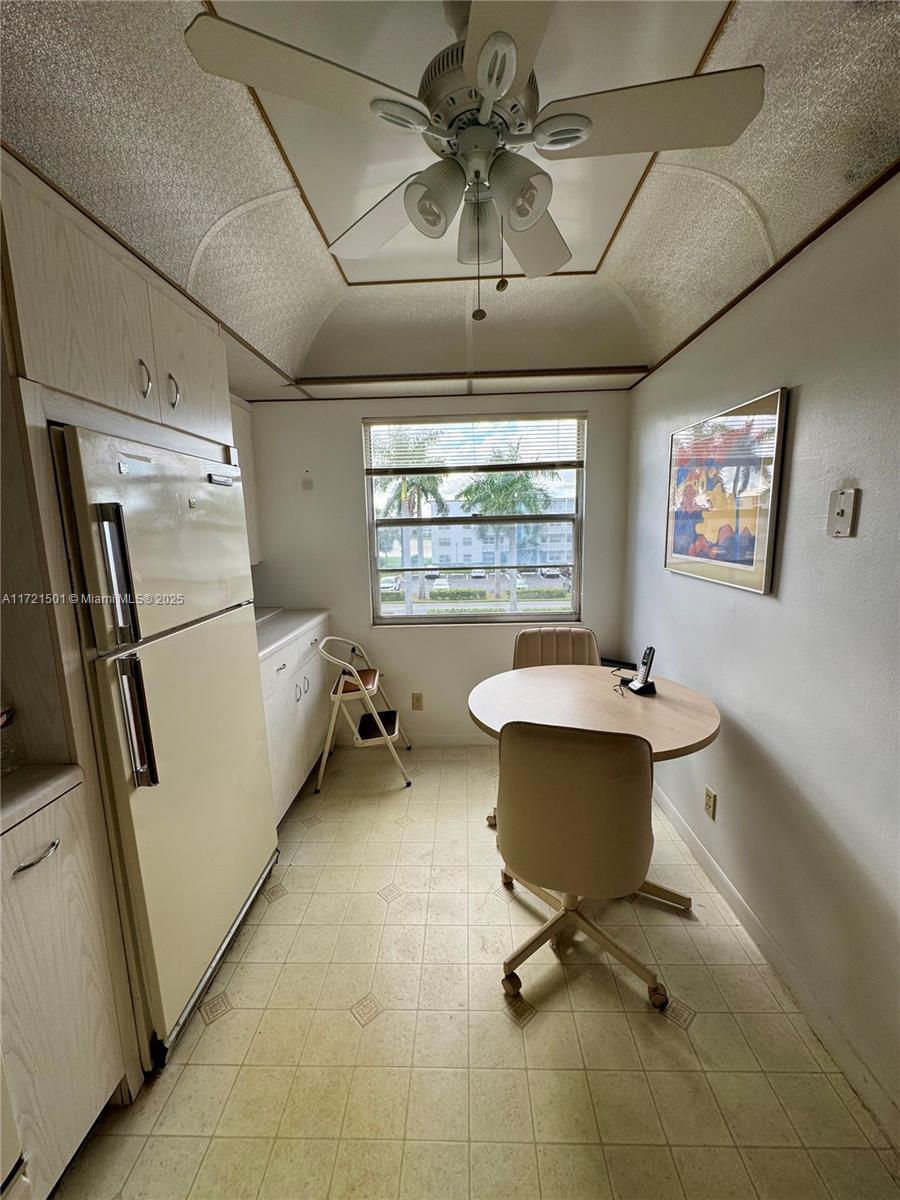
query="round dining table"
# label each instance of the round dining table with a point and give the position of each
(676, 721)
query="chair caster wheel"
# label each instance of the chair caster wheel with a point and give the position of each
(409, 783)
(658, 998)
(491, 820)
(506, 880)
(409, 747)
(554, 945)
(315, 791)
(512, 984)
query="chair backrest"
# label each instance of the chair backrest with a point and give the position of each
(556, 645)
(574, 808)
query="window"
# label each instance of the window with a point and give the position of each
(475, 519)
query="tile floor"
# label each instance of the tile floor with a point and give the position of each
(357, 1045)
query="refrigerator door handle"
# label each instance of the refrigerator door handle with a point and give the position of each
(118, 569)
(137, 721)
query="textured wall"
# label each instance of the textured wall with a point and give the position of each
(806, 766)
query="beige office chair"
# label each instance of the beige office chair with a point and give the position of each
(552, 646)
(573, 816)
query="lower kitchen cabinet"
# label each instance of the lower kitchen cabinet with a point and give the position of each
(61, 1051)
(295, 687)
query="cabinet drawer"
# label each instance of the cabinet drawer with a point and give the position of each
(308, 642)
(275, 668)
(61, 1047)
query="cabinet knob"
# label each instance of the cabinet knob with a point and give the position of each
(51, 849)
(283, 667)
(148, 379)
(177, 398)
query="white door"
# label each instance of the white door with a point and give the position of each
(163, 535)
(193, 794)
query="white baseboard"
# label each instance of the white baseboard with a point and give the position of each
(857, 1073)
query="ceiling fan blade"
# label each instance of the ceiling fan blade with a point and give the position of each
(375, 227)
(675, 114)
(223, 48)
(540, 250)
(524, 20)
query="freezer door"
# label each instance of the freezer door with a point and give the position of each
(163, 536)
(186, 748)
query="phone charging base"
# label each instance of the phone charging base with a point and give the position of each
(642, 689)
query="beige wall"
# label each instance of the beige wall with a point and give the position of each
(315, 547)
(806, 678)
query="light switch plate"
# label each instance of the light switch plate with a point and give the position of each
(842, 512)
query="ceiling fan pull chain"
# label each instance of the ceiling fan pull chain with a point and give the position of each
(502, 282)
(479, 314)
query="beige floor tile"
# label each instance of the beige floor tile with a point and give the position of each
(100, 1168)
(866, 1121)
(448, 908)
(855, 1175)
(300, 879)
(367, 1170)
(298, 985)
(337, 879)
(232, 1169)
(371, 879)
(449, 879)
(662, 1045)
(775, 1042)
(165, 1169)
(643, 1172)
(486, 908)
(784, 1175)
(572, 1173)
(270, 943)
(435, 1171)
(444, 986)
(357, 944)
(816, 1111)
(495, 1041)
(397, 984)
(672, 945)
(694, 984)
(279, 1039)
(551, 1042)
(140, 1117)
(332, 1040)
(251, 984)
(299, 1169)
(719, 1043)
(197, 1100)
(346, 984)
(365, 909)
(446, 944)
(744, 989)
(376, 1107)
(438, 1105)
(287, 910)
(256, 1102)
(624, 1108)
(712, 1173)
(561, 1107)
(592, 988)
(687, 1109)
(719, 945)
(489, 943)
(606, 1041)
(409, 909)
(227, 1039)
(486, 988)
(387, 1041)
(190, 1036)
(503, 1172)
(326, 908)
(402, 944)
(442, 1039)
(316, 1102)
(752, 1110)
(499, 1106)
(812, 1042)
(544, 986)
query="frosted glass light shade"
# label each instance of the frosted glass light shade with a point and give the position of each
(479, 232)
(432, 198)
(521, 189)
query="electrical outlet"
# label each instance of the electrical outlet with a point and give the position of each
(417, 702)
(709, 803)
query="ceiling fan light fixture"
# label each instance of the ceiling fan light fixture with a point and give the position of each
(521, 189)
(562, 132)
(433, 197)
(479, 231)
(401, 116)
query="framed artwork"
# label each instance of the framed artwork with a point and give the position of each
(723, 494)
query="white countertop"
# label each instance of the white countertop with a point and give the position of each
(280, 626)
(30, 788)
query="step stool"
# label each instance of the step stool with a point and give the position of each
(360, 683)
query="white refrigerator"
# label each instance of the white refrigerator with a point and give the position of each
(164, 562)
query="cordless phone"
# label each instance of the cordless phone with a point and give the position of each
(642, 685)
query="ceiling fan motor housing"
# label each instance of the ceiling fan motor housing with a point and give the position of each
(454, 103)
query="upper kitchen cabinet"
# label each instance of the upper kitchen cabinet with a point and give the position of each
(82, 317)
(190, 356)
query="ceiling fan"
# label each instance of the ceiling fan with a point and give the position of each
(477, 108)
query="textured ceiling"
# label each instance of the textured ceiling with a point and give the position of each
(106, 101)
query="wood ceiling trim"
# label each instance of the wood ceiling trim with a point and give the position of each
(308, 381)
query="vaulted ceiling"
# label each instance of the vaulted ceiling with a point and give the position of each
(106, 101)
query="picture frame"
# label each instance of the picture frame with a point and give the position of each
(722, 494)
